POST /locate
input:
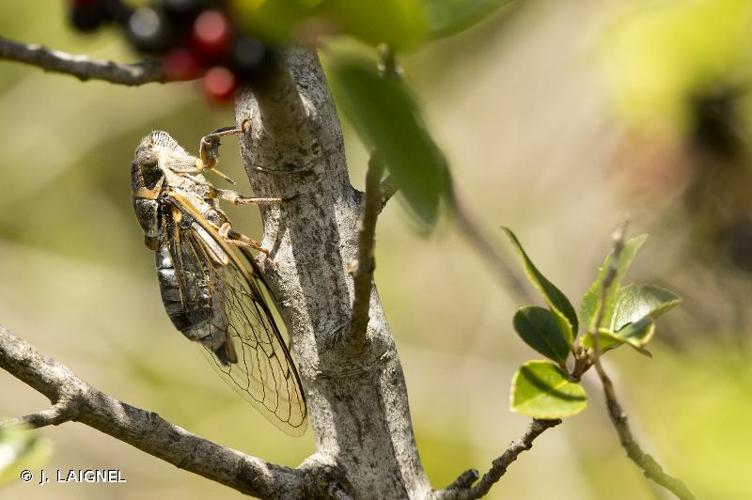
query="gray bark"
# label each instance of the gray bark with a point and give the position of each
(357, 398)
(73, 399)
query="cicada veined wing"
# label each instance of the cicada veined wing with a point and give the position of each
(223, 277)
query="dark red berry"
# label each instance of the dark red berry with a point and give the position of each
(219, 84)
(180, 64)
(88, 15)
(149, 31)
(211, 33)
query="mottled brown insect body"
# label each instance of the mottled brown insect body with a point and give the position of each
(210, 286)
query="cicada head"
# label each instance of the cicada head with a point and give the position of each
(158, 150)
(156, 155)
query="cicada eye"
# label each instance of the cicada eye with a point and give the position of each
(148, 159)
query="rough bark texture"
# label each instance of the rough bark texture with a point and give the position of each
(82, 67)
(357, 398)
(76, 400)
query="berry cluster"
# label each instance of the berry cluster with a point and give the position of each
(193, 38)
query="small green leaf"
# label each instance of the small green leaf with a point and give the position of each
(388, 121)
(541, 390)
(448, 17)
(21, 448)
(633, 319)
(556, 300)
(637, 334)
(539, 329)
(636, 302)
(590, 300)
(607, 340)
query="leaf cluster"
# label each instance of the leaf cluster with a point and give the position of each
(625, 315)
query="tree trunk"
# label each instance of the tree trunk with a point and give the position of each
(357, 399)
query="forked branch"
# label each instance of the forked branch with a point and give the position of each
(75, 400)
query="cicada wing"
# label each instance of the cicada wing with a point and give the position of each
(264, 374)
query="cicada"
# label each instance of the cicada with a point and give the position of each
(210, 284)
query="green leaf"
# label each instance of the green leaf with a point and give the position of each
(556, 300)
(388, 121)
(633, 319)
(20, 448)
(448, 17)
(592, 296)
(402, 24)
(274, 20)
(539, 329)
(541, 390)
(636, 338)
(638, 334)
(636, 302)
(607, 340)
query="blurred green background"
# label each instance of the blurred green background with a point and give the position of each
(557, 118)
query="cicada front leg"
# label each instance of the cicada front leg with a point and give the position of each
(209, 151)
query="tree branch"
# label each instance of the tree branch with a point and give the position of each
(75, 400)
(365, 264)
(463, 489)
(650, 467)
(81, 66)
(474, 235)
(357, 401)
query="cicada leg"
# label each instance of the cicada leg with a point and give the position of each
(239, 239)
(238, 199)
(209, 151)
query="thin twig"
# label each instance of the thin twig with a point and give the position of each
(461, 488)
(82, 67)
(76, 400)
(465, 480)
(388, 189)
(650, 467)
(365, 265)
(388, 63)
(509, 278)
(63, 411)
(390, 69)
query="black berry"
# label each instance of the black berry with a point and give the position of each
(149, 31)
(88, 15)
(250, 59)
